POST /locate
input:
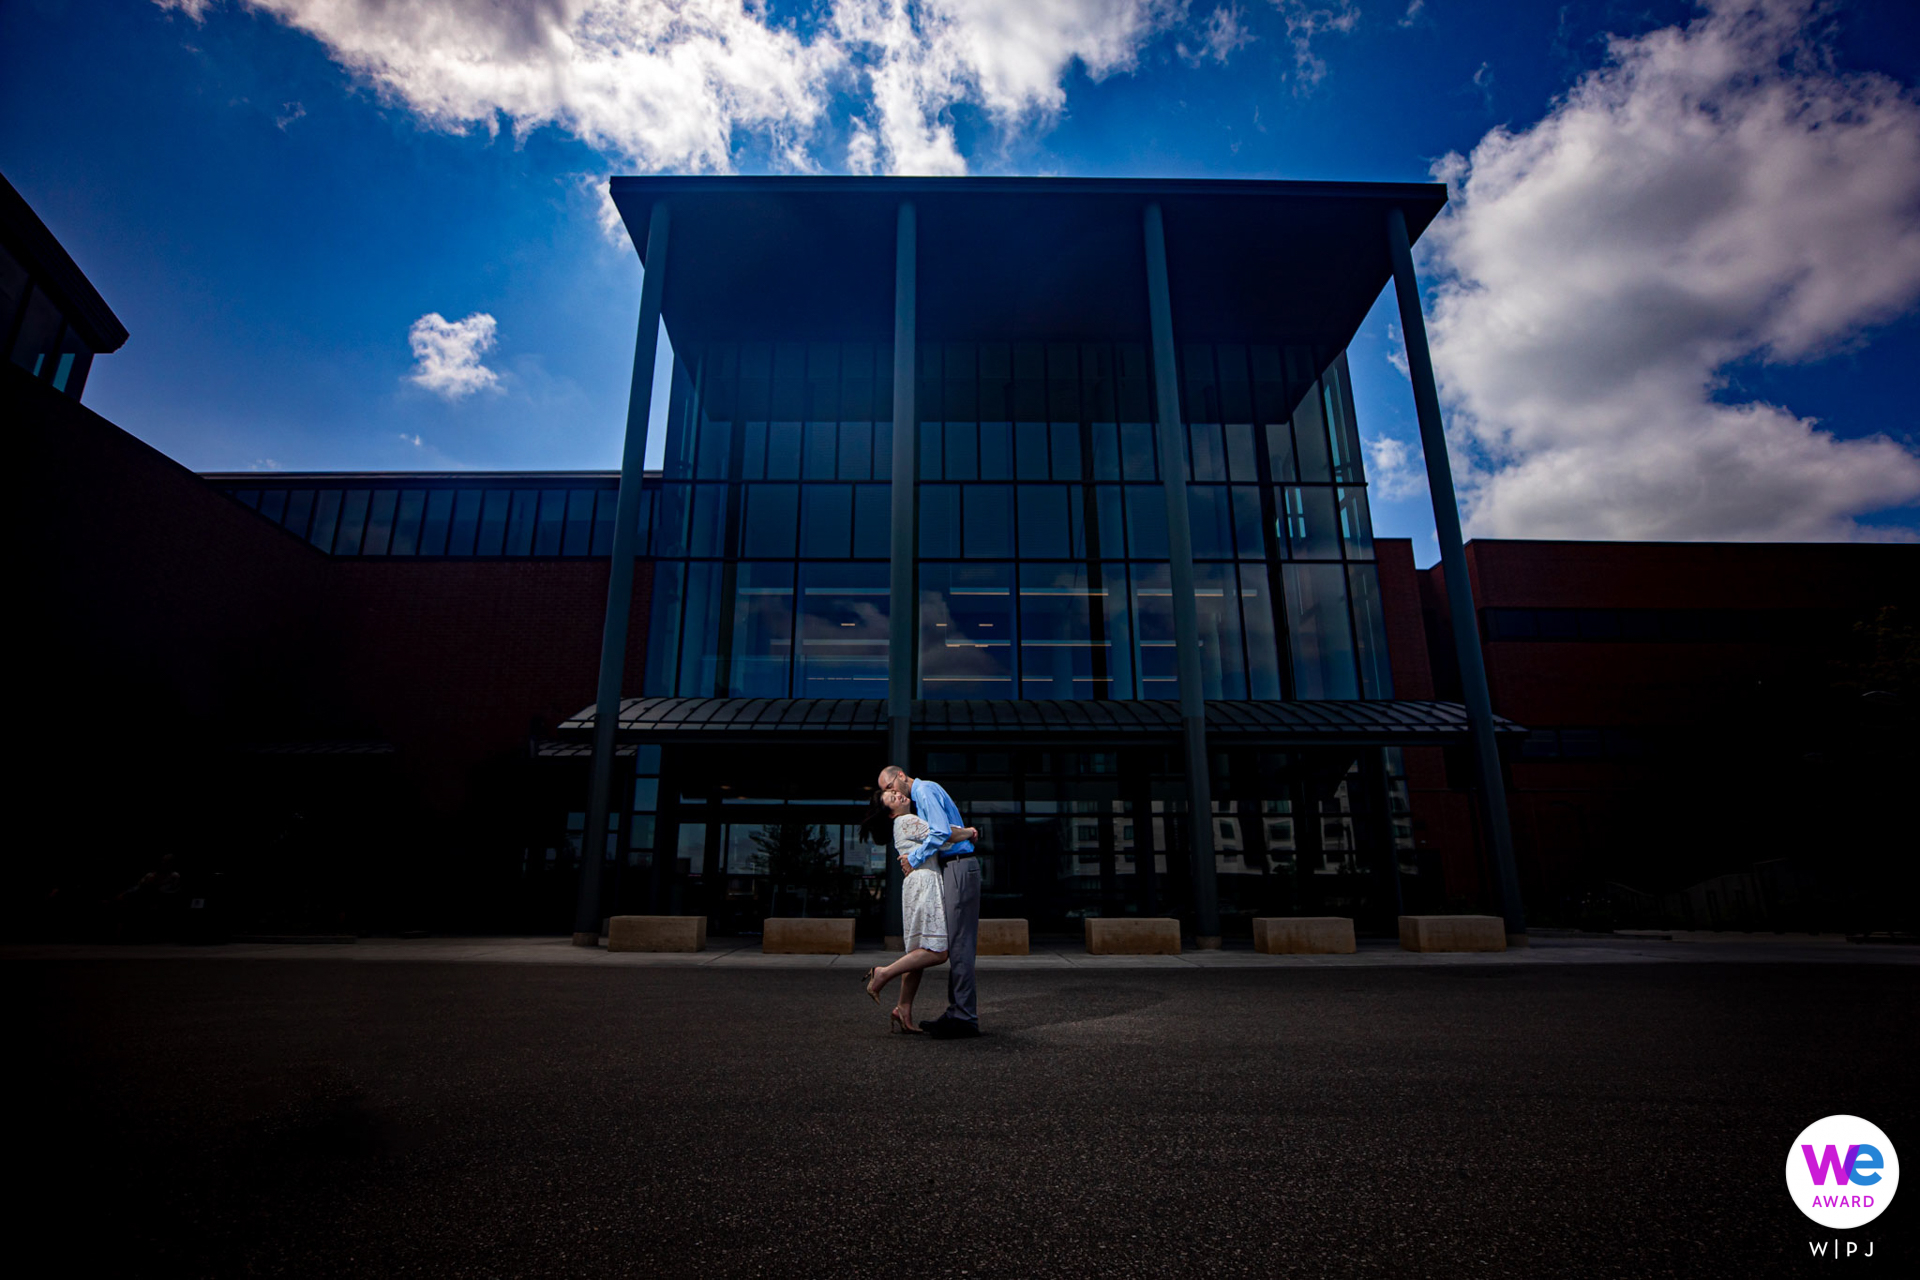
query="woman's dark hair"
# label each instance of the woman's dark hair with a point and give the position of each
(877, 826)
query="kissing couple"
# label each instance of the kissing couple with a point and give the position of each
(939, 900)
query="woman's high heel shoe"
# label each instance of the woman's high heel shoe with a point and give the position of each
(901, 1024)
(875, 995)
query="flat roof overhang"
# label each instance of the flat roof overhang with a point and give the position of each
(1030, 259)
(797, 721)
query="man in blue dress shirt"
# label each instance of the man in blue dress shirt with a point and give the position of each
(960, 886)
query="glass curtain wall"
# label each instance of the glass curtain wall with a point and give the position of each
(1043, 543)
(771, 532)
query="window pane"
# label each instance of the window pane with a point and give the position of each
(1240, 459)
(753, 453)
(1209, 451)
(996, 451)
(1223, 669)
(1345, 440)
(1310, 438)
(716, 448)
(406, 521)
(1356, 529)
(1210, 516)
(663, 629)
(520, 522)
(326, 519)
(961, 449)
(433, 530)
(1280, 450)
(353, 522)
(273, 504)
(1066, 450)
(248, 498)
(1370, 631)
(872, 521)
(700, 632)
(494, 513)
(1106, 451)
(762, 631)
(552, 527)
(967, 631)
(380, 522)
(39, 333)
(856, 450)
(299, 512)
(1067, 644)
(883, 450)
(1158, 661)
(988, 521)
(822, 444)
(826, 520)
(1310, 528)
(843, 631)
(646, 759)
(1110, 526)
(466, 522)
(939, 520)
(579, 535)
(1319, 636)
(769, 515)
(1247, 524)
(1043, 522)
(783, 451)
(1146, 522)
(707, 520)
(1136, 451)
(930, 458)
(1256, 613)
(1030, 448)
(606, 505)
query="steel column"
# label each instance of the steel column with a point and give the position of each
(1186, 613)
(613, 633)
(901, 613)
(1453, 568)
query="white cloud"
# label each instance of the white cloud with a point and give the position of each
(1395, 467)
(289, 112)
(1412, 14)
(1224, 31)
(413, 439)
(675, 84)
(447, 353)
(1716, 193)
(1305, 20)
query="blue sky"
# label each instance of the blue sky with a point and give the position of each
(1644, 328)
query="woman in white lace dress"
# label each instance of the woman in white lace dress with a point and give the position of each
(923, 913)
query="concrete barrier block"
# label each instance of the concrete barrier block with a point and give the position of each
(657, 933)
(808, 936)
(1003, 938)
(1453, 933)
(1303, 936)
(1132, 936)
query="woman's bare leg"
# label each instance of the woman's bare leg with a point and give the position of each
(915, 960)
(909, 987)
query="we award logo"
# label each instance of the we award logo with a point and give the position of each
(1842, 1172)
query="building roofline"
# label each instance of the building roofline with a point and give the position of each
(42, 253)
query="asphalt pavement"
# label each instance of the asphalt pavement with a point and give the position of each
(321, 1117)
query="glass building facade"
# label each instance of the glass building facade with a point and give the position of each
(1042, 550)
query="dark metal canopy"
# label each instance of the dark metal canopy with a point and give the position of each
(1034, 259)
(799, 720)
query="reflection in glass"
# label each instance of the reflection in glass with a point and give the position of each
(1356, 529)
(1312, 533)
(465, 525)
(433, 529)
(520, 522)
(606, 503)
(700, 636)
(987, 521)
(1310, 438)
(663, 628)
(768, 516)
(1209, 451)
(843, 631)
(380, 522)
(326, 519)
(550, 529)
(299, 512)
(1370, 629)
(1043, 522)
(1158, 661)
(1256, 610)
(967, 631)
(493, 524)
(1320, 637)
(1073, 631)
(872, 521)
(940, 520)
(1210, 516)
(406, 521)
(762, 640)
(1030, 450)
(353, 522)
(1216, 590)
(273, 504)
